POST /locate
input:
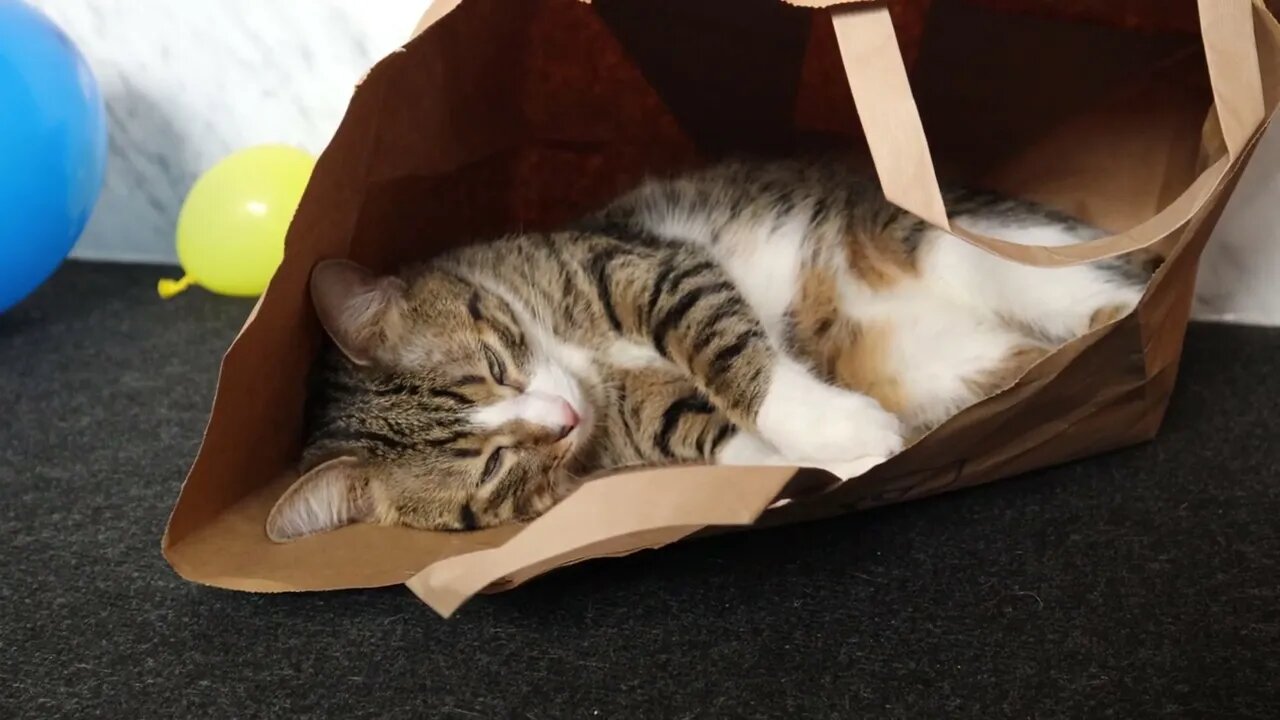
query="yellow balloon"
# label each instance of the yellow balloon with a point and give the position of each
(232, 225)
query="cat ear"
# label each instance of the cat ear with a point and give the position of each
(329, 496)
(359, 309)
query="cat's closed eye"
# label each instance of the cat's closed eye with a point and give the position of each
(497, 370)
(492, 465)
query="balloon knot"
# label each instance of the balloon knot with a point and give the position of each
(167, 287)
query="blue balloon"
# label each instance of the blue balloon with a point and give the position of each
(53, 148)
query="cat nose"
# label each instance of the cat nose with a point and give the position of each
(569, 420)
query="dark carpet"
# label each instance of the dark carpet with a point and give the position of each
(1145, 583)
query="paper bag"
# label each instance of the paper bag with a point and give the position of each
(506, 114)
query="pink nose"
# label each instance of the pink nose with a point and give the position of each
(567, 421)
(568, 417)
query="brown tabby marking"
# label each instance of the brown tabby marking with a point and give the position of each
(1106, 316)
(864, 364)
(878, 257)
(815, 314)
(849, 354)
(1007, 372)
(659, 416)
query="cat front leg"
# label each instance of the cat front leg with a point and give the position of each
(807, 418)
(664, 418)
(686, 306)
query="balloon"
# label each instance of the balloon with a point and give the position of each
(53, 148)
(232, 225)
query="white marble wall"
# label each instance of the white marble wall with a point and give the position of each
(188, 82)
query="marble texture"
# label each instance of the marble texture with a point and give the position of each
(187, 83)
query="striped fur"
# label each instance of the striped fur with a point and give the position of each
(778, 313)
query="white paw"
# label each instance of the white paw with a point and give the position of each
(748, 449)
(806, 418)
(1123, 303)
(847, 469)
(1091, 310)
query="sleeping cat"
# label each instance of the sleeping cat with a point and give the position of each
(746, 314)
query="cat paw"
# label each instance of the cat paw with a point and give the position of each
(1108, 314)
(748, 449)
(806, 418)
(847, 469)
(1101, 308)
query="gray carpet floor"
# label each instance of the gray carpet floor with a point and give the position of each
(1145, 583)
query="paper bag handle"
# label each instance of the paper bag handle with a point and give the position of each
(891, 122)
(615, 515)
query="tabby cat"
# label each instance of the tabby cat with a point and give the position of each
(745, 314)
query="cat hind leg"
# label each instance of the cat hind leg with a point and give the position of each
(1056, 303)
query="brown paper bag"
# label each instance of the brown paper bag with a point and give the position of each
(525, 113)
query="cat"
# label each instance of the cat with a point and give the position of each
(748, 313)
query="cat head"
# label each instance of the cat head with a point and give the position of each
(438, 405)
